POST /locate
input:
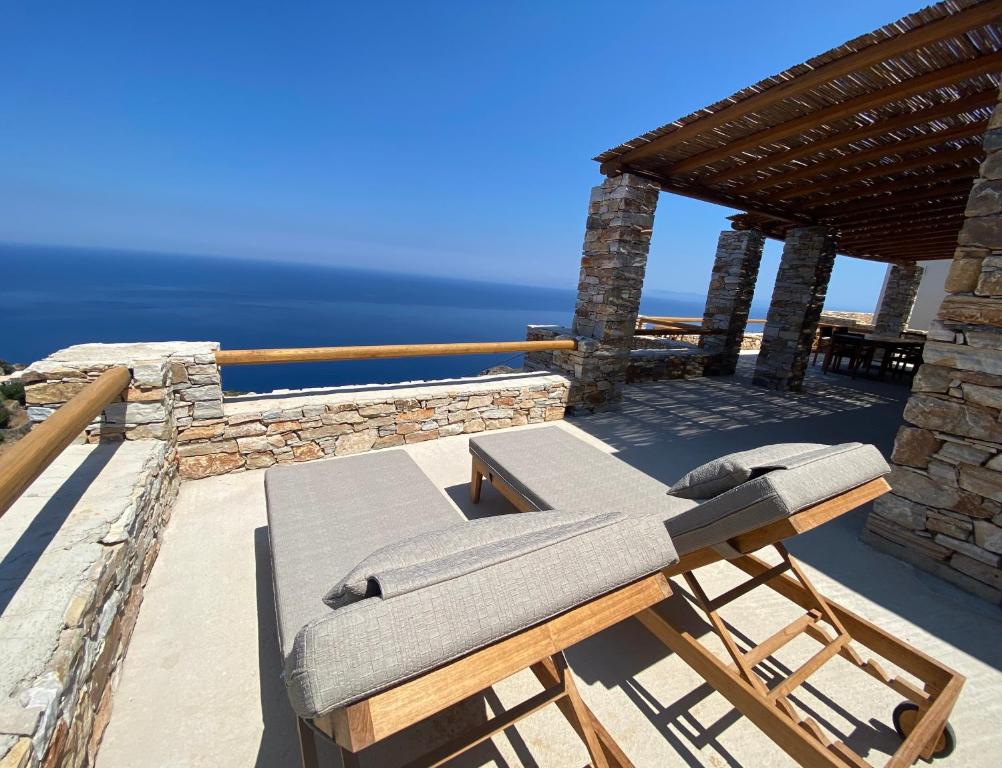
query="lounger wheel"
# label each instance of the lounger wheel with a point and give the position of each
(906, 715)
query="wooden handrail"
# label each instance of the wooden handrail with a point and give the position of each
(317, 354)
(25, 461)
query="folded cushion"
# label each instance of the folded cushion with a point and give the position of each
(727, 472)
(430, 558)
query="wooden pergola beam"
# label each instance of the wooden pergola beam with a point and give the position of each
(845, 139)
(895, 245)
(909, 188)
(927, 161)
(956, 206)
(854, 160)
(948, 26)
(989, 63)
(903, 227)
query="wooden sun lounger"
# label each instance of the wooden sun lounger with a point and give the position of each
(380, 629)
(922, 719)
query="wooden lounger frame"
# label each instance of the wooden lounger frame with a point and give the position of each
(770, 709)
(539, 648)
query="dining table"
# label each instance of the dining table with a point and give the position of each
(889, 344)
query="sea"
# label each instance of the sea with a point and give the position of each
(52, 297)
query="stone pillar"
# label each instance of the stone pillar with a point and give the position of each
(797, 300)
(945, 512)
(617, 240)
(728, 300)
(898, 299)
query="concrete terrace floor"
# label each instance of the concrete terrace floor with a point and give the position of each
(200, 685)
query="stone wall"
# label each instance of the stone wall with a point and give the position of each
(728, 300)
(656, 364)
(256, 431)
(898, 299)
(797, 300)
(79, 598)
(945, 512)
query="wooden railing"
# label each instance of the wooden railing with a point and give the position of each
(319, 354)
(20, 465)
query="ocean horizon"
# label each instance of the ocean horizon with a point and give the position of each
(57, 296)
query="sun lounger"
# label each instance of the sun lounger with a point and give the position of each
(726, 510)
(391, 607)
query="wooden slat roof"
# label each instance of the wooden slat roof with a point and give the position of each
(879, 137)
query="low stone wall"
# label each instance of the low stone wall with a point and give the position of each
(70, 607)
(595, 370)
(655, 364)
(257, 431)
(748, 341)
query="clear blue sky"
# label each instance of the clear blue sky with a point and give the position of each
(438, 137)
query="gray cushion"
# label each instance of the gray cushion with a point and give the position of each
(720, 475)
(321, 524)
(553, 469)
(419, 600)
(549, 466)
(800, 482)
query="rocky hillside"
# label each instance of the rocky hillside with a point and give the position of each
(13, 417)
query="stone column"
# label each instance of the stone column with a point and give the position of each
(617, 240)
(945, 512)
(728, 300)
(797, 300)
(899, 297)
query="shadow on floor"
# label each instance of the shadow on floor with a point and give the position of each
(22, 557)
(667, 428)
(280, 739)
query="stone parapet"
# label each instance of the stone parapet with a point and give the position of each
(797, 300)
(257, 431)
(656, 364)
(898, 299)
(84, 537)
(945, 510)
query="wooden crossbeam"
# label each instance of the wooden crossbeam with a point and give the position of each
(845, 139)
(949, 26)
(853, 160)
(909, 188)
(922, 162)
(989, 63)
(908, 237)
(956, 205)
(912, 224)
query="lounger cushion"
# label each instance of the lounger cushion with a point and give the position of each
(436, 595)
(720, 475)
(322, 521)
(551, 468)
(801, 482)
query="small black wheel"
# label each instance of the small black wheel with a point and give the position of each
(905, 716)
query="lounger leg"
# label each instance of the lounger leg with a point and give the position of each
(307, 745)
(476, 483)
(580, 717)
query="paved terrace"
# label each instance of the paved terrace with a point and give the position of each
(200, 684)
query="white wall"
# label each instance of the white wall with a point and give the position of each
(931, 293)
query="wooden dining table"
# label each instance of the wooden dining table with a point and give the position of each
(889, 344)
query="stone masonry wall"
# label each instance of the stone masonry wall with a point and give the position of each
(945, 512)
(728, 300)
(303, 425)
(898, 299)
(797, 300)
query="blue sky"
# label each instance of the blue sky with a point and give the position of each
(442, 137)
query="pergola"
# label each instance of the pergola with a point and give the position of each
(888, 147)
(879, 138)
